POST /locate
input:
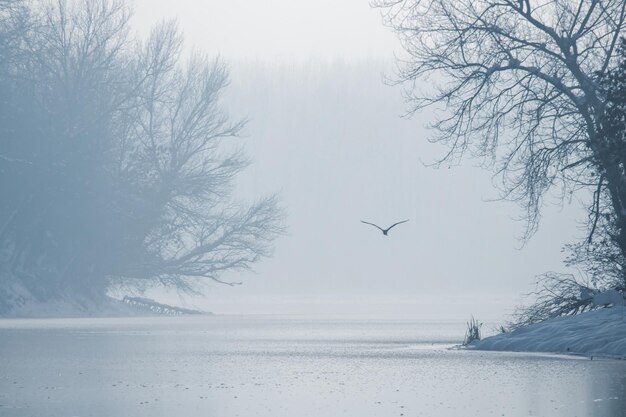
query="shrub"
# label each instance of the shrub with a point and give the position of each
(473, 331)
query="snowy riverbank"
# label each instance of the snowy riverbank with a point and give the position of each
(596, 333)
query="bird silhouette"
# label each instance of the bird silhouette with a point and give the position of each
(385, 231)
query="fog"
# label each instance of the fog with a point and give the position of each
(275, 30)
(326, 132)
(228, 208)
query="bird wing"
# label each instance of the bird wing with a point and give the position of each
(372, 224)
(395, 224)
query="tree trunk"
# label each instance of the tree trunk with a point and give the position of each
(616, 185)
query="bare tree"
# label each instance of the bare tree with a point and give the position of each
(14, 22)
(118, 160)
(556, 295)
(66, 84)
(174, 152)
(520, 82)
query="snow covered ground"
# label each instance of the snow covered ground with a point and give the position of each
(596, 333)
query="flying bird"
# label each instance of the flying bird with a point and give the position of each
(385, 231)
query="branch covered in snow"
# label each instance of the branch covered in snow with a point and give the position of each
(557, 295)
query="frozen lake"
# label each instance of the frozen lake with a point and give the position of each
(281, 366)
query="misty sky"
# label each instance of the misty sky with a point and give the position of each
(326, 134)
(276, 30)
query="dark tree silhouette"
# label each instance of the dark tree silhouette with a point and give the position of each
(521, 82)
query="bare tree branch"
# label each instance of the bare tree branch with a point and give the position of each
(521, 87)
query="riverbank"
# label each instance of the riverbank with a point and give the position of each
(600, 333)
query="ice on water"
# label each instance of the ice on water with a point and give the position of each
(285, 366)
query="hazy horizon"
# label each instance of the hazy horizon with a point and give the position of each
(327, 134)
(330, 141)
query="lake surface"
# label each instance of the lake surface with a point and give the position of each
(286, 366)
